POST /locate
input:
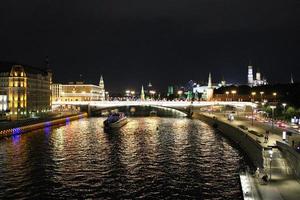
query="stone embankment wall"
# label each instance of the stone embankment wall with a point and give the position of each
(250, 146)
(40, 125)
(292, 157)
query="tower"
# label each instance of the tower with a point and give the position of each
(102, 89)
(223, 82)
(250, 75)
(142, 94)
(209, 85)
(258, 76)
(210, 89)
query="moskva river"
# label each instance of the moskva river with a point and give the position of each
(151, 157)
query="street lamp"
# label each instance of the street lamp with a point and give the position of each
(284, 105)
(253, 95)
(274, 95)
(152, 92)
(261, 95)
(227, 93)
(233, 92)
(273, 108)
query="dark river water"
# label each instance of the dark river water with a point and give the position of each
(151, 158)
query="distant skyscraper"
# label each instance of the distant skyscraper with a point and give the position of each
(250, 75)
(142, 94)
(101, 85)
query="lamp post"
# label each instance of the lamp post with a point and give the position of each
(261, 95)
(253, 95)
(271, 155)
(233, 92)
(284, 105)
(227, 93)
(152, 92)
(274, 95)
(273, 108)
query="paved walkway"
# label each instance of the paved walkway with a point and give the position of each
(283, 184)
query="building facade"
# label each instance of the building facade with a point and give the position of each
(28, 89)
(78, 91)
(258, 81)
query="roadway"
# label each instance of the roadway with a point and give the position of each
(283, 184)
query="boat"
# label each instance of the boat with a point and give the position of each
(153, 113)
(115, 121)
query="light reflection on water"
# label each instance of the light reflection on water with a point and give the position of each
(148, 158)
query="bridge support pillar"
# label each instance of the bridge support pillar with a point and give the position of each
(89, 110)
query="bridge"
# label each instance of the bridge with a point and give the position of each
(183, 106)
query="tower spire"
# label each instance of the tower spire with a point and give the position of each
(102, 89)
(292, 80)
(142, 94)
(209, 85)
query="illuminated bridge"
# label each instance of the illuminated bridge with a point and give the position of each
(184, 106)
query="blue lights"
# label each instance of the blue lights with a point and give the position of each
(68, 120)
(16, 131)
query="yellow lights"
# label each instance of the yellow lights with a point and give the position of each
(16, 74)
(227, 92)
(179, 92)
(253, 93)
(16, 84)
(274, 94)
(22, 74)
(132, 92)
(261, 93)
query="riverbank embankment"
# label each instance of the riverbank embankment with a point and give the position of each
(20, 128)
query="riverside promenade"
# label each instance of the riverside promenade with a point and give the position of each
(283, 184)
(19, 127)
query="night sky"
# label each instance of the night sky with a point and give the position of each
(164, 41)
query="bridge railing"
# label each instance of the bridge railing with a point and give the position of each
(156, 103)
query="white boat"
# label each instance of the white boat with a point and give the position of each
(115, 121)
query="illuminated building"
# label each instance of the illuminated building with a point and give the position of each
(250, 76)
(259, 80)
(102, 89)
(209, 93)
(3, 106)
(78, 91)
(28, 89)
